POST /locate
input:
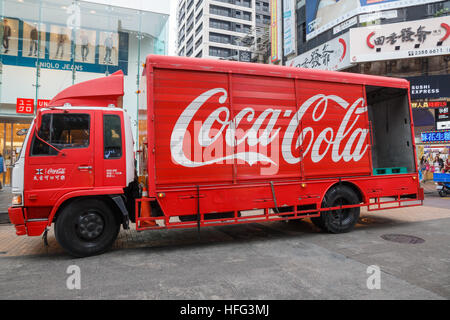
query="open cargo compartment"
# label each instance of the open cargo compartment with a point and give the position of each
(389, 115)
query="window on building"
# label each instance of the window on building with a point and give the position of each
(221, 11)
(199, 15)
(198, 42)
(199, 28)
(219, 24)
(221, 52)
(220, 38)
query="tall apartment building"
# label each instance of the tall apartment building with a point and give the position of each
(220, 28)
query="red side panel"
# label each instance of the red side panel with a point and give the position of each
(334, 122)
(175, 105)
(213, 127)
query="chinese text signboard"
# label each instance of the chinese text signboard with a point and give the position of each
(436, 136)
(442, 117)
(332, 55)
(25, 106)
(410, 39)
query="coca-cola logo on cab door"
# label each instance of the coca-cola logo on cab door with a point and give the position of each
(346, 142)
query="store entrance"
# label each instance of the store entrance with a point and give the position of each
(11, 141)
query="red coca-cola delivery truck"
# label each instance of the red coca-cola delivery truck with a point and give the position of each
(222, 143)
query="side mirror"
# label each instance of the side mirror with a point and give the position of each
(38, 120)
(22, 132)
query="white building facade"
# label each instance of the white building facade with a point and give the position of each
(216, 28)
(49, 45)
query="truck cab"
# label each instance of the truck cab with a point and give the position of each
(79, 150)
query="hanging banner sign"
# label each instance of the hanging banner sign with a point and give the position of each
(289, 26)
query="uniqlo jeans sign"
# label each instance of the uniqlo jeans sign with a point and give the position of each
(25, 106)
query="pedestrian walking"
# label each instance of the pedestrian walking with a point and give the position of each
(2, 170)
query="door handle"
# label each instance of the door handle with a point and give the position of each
(85, 168)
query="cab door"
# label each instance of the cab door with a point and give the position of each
(112, 156)
(61, 158)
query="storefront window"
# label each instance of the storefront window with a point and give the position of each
(52, 44)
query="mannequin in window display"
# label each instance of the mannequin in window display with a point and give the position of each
(33, 41)
(6, 35)
(108, 48)
(62, 37)
(84, 45)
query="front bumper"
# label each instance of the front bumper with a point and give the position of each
(16, 218)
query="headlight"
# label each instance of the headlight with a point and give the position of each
(17, 200)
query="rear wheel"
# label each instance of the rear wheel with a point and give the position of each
(86, 228)
(442, 193)
(339, 220)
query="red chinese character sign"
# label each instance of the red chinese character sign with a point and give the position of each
(25, 106)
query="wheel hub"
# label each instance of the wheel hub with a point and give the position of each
(90, 226)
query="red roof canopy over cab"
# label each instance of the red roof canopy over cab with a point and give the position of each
(92, 93)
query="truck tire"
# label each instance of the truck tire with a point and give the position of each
(86, 227)
(341, 220)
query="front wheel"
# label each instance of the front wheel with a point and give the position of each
(339, 220)
(86, 228)
(442, 193)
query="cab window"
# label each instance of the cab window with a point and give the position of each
(112, 136)
(63, 131)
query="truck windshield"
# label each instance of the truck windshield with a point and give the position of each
(63, 131)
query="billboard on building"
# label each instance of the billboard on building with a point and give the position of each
(60, 48)
(430, 87)
(332, 55)
(322, 15)
(289, 26)
(428, 37)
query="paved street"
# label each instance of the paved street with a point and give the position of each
(276, 260)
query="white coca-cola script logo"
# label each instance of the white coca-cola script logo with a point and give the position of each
(262, 131)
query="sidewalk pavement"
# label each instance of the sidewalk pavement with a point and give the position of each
(5, 202)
